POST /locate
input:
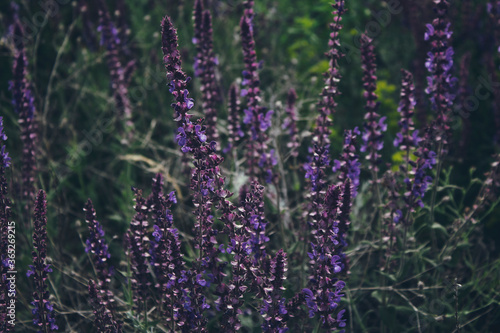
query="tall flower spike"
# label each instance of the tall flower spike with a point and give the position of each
(419, 180)
(137, 244)
(348, 165)
(103, 321)
(24, 104)
(235, 132)
(374, 125)
(43, 311)
(210, 94)
(260, 160)
(319, 157)
(407, 139)
(323, 294)
(198, 35)
(207, 182)
(6, 263)
(120, 75)
(290, 123)
(439, 63)
(97, 248)
(273, 308)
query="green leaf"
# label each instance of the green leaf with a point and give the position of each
(439, 227)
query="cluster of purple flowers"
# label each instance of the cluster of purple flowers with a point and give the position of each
(375, 125)
(104, 321)
(206, 182)
(440, 64)
(24, 105)
(5, 224)
(419, 179)
(273, 308)
(137, 245)
(348, 165)
(43, 311)
(407, 138)
(319, 157)
(97, 247)
(260, 159)
(246, 231)
(328, 260)
(120, 75)
(235, 133)
(329, 210)
(205, 64)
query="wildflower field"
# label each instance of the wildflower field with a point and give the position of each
(253, 166)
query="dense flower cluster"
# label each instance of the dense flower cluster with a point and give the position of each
(120, 75)
(419, 180)
(198, 36)
(43, 311)
(407, 138)
(247, 247)
(348, 165)
(207, 183)
(97, 247)
(235, 133)
(440, 64)
(290, 123)
(205, 65)
(328, 260)
(24, 105)
(274, 309)
(137, 245)
(104, 321)
(319, 157)
(6, 263)
(374, 125)
(260, 160)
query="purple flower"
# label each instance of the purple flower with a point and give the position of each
(349, 166)
(43, 313)
(120, 74)
(440, 64)
(4, 156)
(24, 105)
(205, 67)
(103, 317)
(257, 118)
(235, 132)
(374, 125)
(137, 245)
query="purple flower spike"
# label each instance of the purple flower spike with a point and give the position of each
(205, 66)
(374, 125)
(6, 263)
(97, 248)
(104, 321)
(120, 75)
(257, 118)
(24, 105)
(274, 309)
(319, 153)
(439, 63)
(137, 245)
(43, 312)
(235, 133)
(349, 166)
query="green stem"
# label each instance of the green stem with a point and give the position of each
(434, 192)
